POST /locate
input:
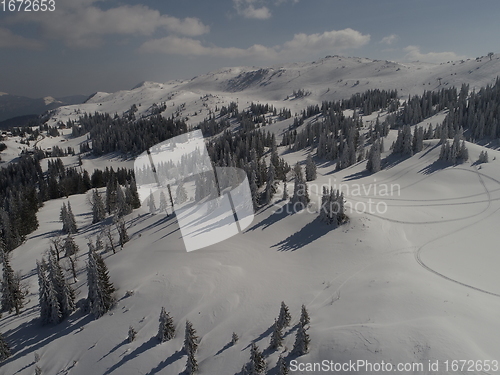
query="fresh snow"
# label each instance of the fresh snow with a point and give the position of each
(418, 283)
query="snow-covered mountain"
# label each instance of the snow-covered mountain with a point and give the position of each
(331, 78)
(414, 285)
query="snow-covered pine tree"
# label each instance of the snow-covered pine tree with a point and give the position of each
(304, 316)
(191, 364)
(302, 340)
(285, 190)
(151, 203)
(70, 246)
(64, 293)
(483, 157)
(310, 168)
(4, 349)
(98, 208)
(135, 202)
(234, 338)
(276, 337)
(63, 216)
(71, 225)
(43, 292)
(54, 313)
(300, 198)
(270, 189)
(254, 189)
(163, 203)
(282, 366)
(132, 333)
(284, 317)
(257, 364)
(374, 163)
(101, 290)
(122, 206)
(111, 191)
(12, 295)
(166, 330)
(190, 339)
(38, 370)
(180, 194)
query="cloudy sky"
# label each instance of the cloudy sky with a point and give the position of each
(89, 45)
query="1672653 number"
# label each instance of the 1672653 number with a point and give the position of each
(28, 5)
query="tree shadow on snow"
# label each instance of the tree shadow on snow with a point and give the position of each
(30, 336)
(272, 219)
(308, 234)
(173, 358)
(227, 346)
(139, 350)
(266, 333)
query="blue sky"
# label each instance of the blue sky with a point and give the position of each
(87, 45)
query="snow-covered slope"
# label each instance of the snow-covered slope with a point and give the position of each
(417, 283)
(331, 78)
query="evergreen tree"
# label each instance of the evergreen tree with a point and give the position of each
(166, 330)
(4, 349)
(483, 157)
(374, 163)
(180, 194)
(135, 202)
(12, 294)
(282, 366)
(163, 202)
(72, 228)
(64, 293)
(192, 364)
(98, 208)
(332, 207)
(190, 339)
(285, 190)
(276, 337)
(270, 189)
(43, 292)
(151, 203)
(63, 216)
(304, 316)
(302, 341)
(234, 338)
(132, 333)
(284, 317)
(300, 198)
(70, 246)
(257, 365)
(122, 206)
(310, 169)
(101, 290)
(111, 193)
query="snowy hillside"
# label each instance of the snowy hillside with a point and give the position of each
(331, 78)
(411, 278)
(411, 285)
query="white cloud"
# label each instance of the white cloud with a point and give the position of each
(192, 47)
(247, 9)
(84, 25)
(327, 42)
(414, 54)
(10, 40)
(389, 39)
